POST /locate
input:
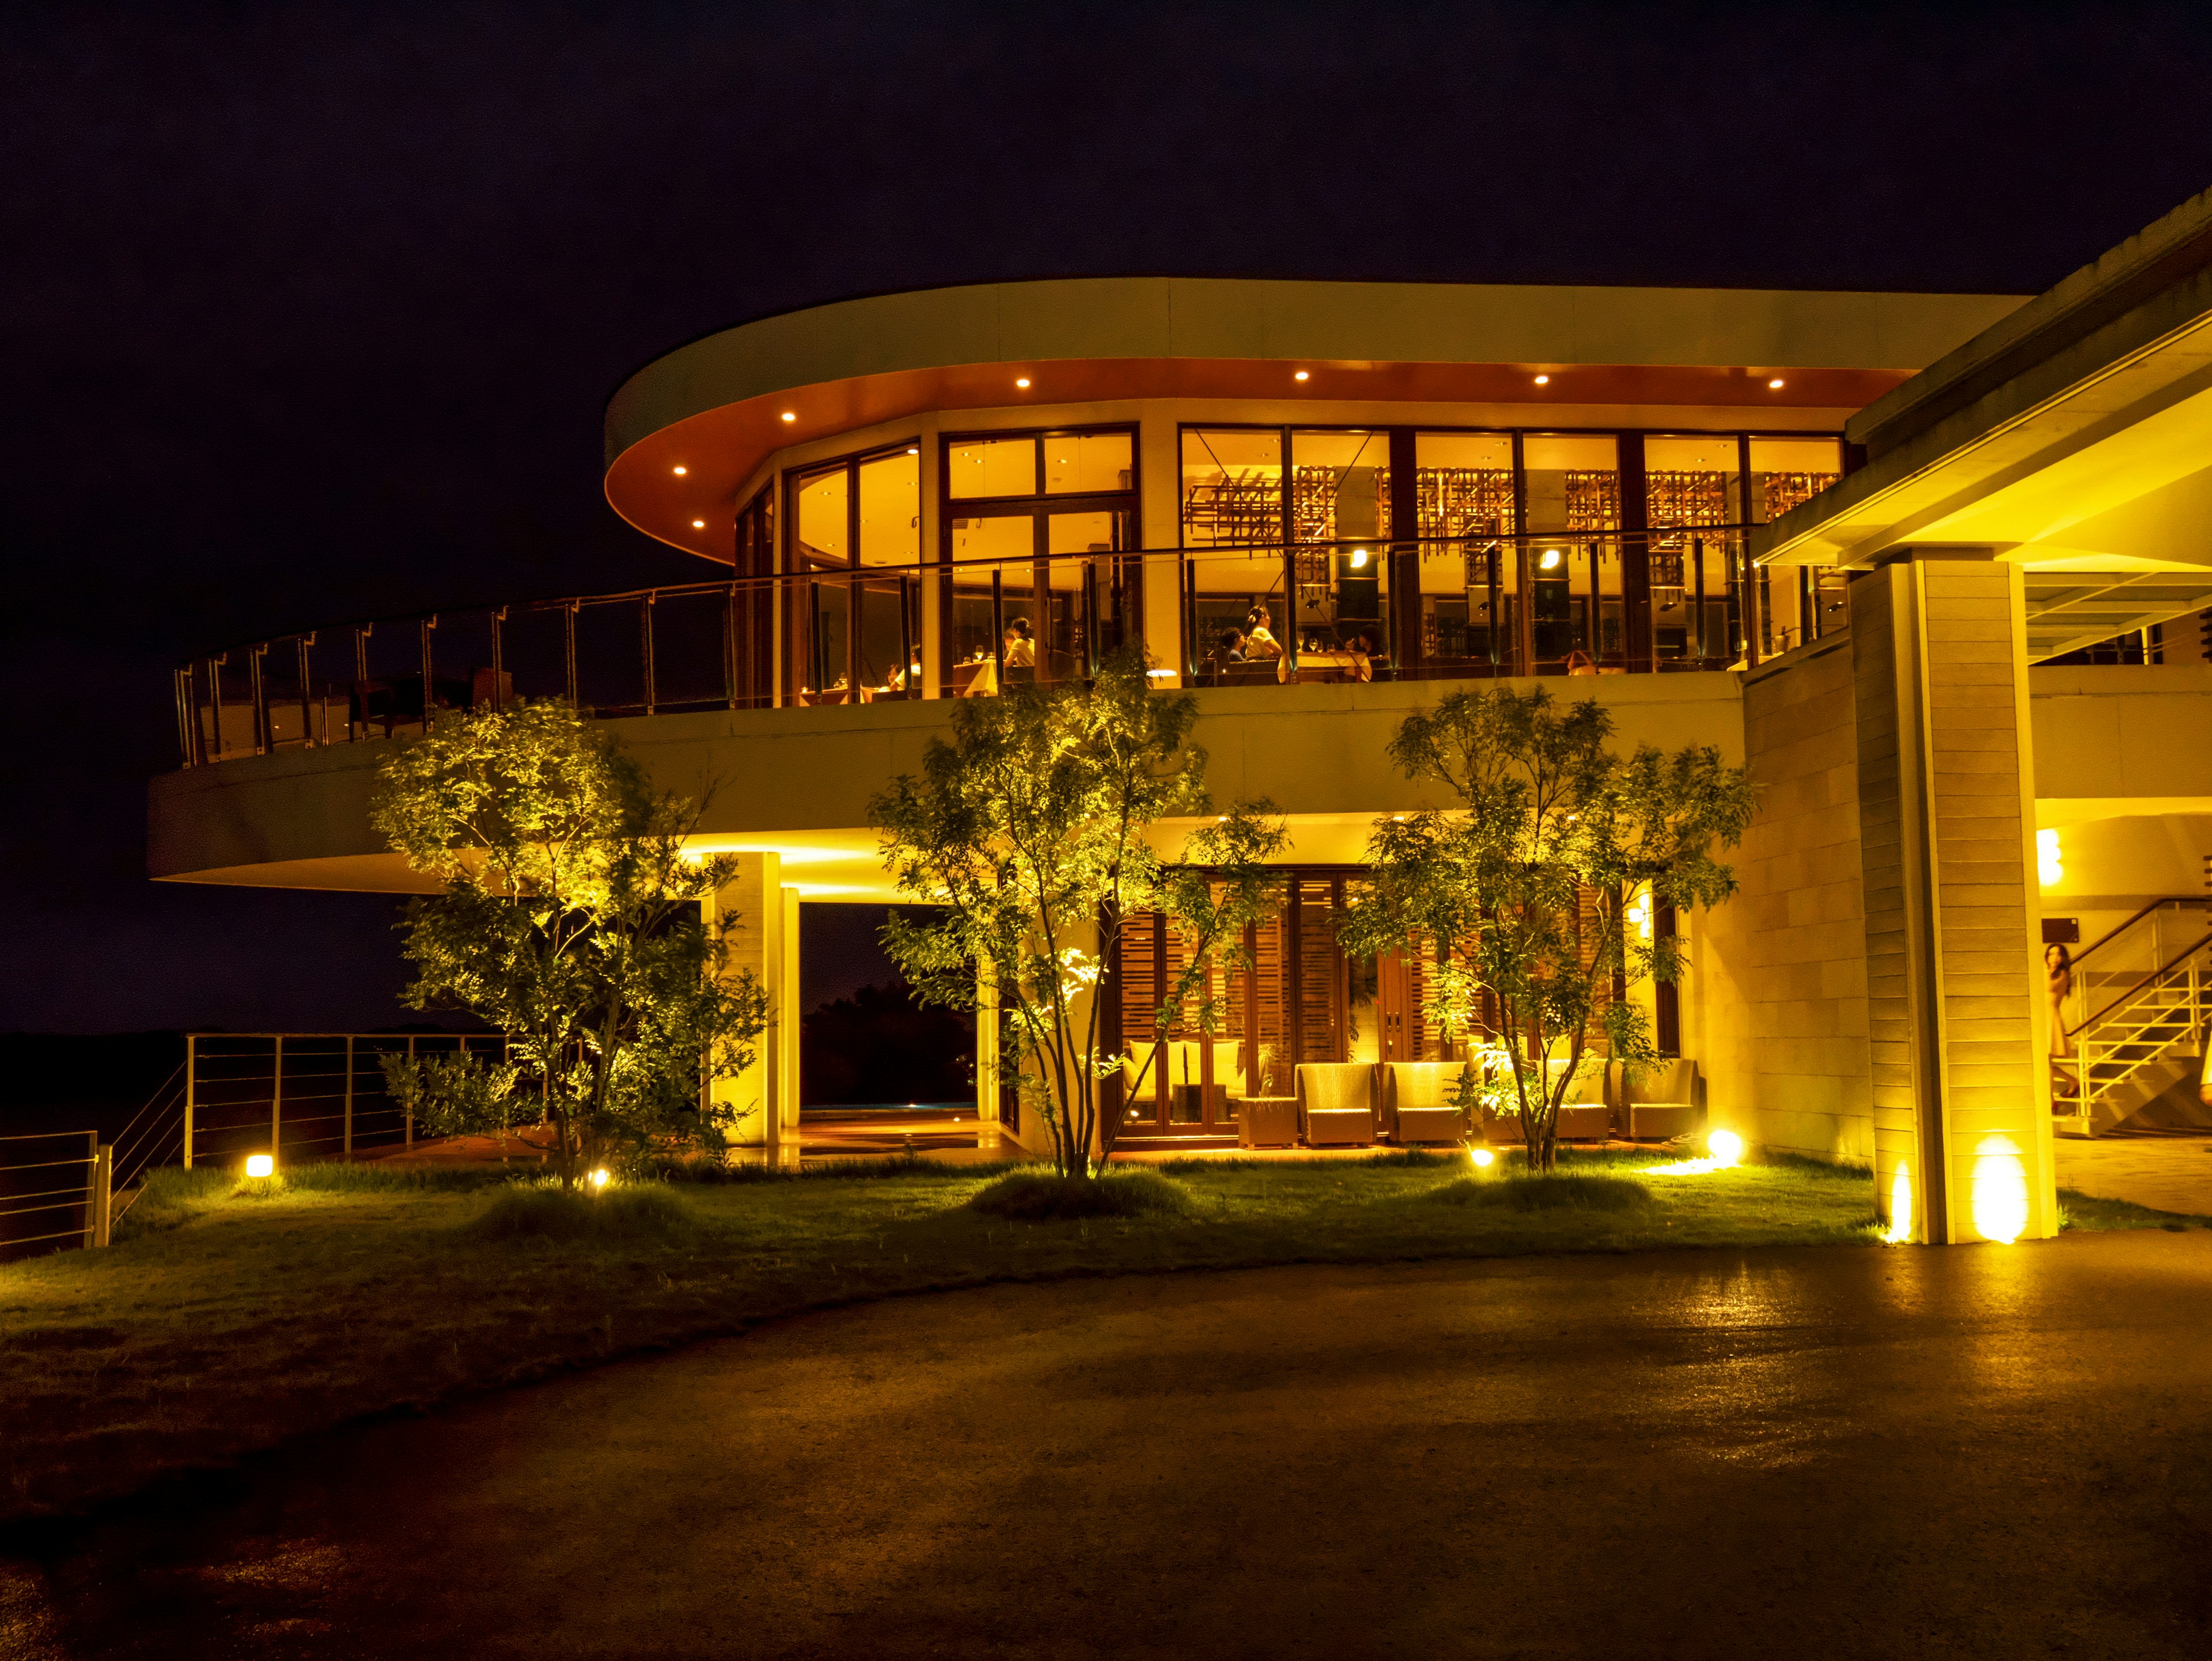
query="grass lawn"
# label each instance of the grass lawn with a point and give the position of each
(225, 1323)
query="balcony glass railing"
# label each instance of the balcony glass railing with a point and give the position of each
(1348, 611)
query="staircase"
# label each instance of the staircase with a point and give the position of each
(2137, 1052)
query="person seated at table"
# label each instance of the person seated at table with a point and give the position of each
(1260, 646)
(1230, 648)
(1019, 650)
(1361, 646)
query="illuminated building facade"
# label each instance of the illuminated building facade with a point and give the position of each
(1928, 564)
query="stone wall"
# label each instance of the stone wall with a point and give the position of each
(1775, 1008)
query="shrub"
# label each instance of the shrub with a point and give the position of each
(1549, 1193)
(1035, 1197)
(648, 1212)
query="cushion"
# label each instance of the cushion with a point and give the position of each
(1324, 1085)
(1429, 1124)
(1339, 1124)
(1669, 1081)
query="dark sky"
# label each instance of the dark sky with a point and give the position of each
(308, 312)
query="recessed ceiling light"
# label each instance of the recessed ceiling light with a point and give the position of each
(681, 470)
(1300, 375)
(1023, 381)
(914, 449)
(1543, 380)
(1775, 384)
(789, 415)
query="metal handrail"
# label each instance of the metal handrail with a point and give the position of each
(2158, 974)
(2111, 935)
(346, 704)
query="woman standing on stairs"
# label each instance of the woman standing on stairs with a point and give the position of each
(2058, 977)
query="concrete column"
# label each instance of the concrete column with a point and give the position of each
(764, 941)
(1961, 1097)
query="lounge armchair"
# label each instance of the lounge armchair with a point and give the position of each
(1585, 1114)
(1661, 1099)
(1336, 1103)
(1417, 1102)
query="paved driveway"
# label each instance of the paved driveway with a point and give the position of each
(1984, 1451)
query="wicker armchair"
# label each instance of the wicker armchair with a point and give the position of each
(1336, 1103)
(1417, 1101)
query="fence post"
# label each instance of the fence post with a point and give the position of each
(192, 1076)
(276, 1100)
(408, 1108)
(348, 1099)
(103, 1194)
(91, 1188)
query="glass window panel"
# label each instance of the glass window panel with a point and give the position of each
(1339, 486)
(994, 536)
(822, 529)
(1463, 483)
(992, 467)
(891, 509)
(1574, 481)
(1785, 472)
(1232, 487)
(1088, 463)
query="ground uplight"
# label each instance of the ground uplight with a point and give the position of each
(600, 1178)
(1725, 1146)
(1482, 1157)
(260, 1165)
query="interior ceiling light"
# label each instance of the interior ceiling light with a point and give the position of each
(681, 470)
(1023, 381)
(1301, 375)
(1551, 559)
(698, 524)
(914, 449)
(1775, 384)
(1543, 380)
(790, 414)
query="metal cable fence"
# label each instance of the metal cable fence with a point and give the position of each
(52, 1191)
(303, 1097)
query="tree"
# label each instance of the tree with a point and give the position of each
(569, 918)
(1031, 829)
(1523, 889)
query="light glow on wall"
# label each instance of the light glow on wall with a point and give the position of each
(2049, 858)
(2000, 1190)
(1900, 1206)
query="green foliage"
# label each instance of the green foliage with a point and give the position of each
(1551, 1191)
(451, 1095)
(569, 918)
(1545, 815)
(1029, 832)
(648, 1212)
(1030, 1196)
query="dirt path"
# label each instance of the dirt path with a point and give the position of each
(1988, 1451)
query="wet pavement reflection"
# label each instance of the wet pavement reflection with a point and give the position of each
(2000, 1452)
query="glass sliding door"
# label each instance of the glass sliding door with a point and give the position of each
(1572, 484)
(1037, 584)
(853, 606)
(1798, 603)
(1693, 501)
(1470, 564)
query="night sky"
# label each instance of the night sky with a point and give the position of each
(309, 312)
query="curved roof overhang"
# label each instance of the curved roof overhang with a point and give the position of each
(716, 407)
